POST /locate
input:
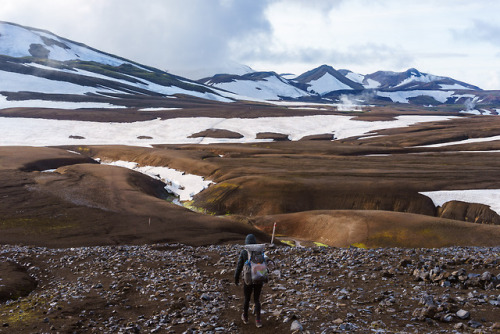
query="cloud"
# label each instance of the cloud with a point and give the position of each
(479, 31)
(356, 55)
(169, 34)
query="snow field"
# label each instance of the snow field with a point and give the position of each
(490, 197)
(270, 88)
(53, 104)
(44, 132)
(466, 141)
(185, 186)
(403, 96)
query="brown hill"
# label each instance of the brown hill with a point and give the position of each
(379, 229)
(92, 204)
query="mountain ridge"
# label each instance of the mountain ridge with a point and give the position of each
(37, 64)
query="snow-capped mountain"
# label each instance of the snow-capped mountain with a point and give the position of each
(413, 86)
(257, 85)
(324, 80)
(413, 79)
(38, 64)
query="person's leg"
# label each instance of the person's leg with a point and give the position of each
(247, 292)
(257, 289)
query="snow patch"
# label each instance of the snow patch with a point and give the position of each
(454, 86)
(327, 83)
(15, 82)
(371, 84)
(4, 103)
(466, 141)
(355, 77)
(270, 88)
(46, 132)
(183, 185)
(158, 109)
(489, 197)
(403, 96)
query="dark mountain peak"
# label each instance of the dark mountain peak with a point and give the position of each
(337, 80)
(254, 76)
(259, 75)
(317, 73)
(413, 72)
(344, 71)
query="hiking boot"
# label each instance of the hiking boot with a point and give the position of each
(258, 323)
(245, 319)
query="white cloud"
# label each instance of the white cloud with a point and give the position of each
(168, 34)
(437, 37)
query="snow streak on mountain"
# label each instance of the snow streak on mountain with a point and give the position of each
(38, 65)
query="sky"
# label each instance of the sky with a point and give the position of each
(455, 38)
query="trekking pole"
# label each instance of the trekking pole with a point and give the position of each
(274, 230)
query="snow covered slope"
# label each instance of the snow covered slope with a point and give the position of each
(259, 85)
(38, 64)
(412, 79)
(325, 79)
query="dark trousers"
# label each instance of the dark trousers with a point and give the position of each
(247, 291)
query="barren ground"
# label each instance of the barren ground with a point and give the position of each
(363, 192)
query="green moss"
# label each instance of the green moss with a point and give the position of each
(189, 205)
(360, 245)
(319, 244)
(217, 192)
(35, 225)
(24, 311)
(288, 242)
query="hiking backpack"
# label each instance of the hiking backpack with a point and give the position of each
(255, 268)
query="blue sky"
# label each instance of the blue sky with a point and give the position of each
(456, 38)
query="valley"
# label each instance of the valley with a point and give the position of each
(126, 191)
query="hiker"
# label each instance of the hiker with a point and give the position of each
(256, 288)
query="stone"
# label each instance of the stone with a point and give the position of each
(296, 326)
(463, 314)
(474, 324)
(486, 276)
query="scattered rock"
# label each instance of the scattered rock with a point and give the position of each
(463, 314)
(296, 326)
(177, 288)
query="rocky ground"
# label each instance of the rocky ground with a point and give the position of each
(172, 288)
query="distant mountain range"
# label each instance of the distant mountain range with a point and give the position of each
(327, 83)
(38, 65)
